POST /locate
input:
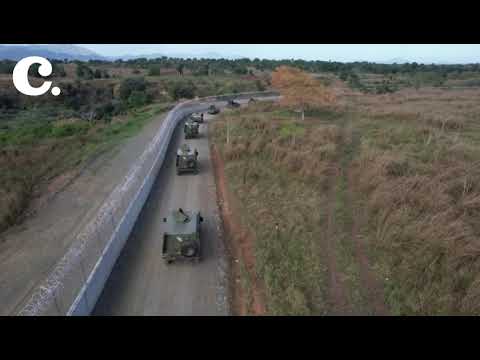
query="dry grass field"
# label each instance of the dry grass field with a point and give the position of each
(377, 201)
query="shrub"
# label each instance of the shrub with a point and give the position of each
(84, 72)
(131, 84)
(137, 99)
(59, 70)
(9, 101)
(182, 89)
(6, 67)
(154, 70)
(260, 85)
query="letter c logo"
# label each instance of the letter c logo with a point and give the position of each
(20, 76)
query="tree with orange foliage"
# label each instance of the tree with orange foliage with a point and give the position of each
(299, 88)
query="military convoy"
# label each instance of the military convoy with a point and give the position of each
(186, 160)
(198, 117)
(212, 110)
(181, 240)
(191, 129)
(233, 104)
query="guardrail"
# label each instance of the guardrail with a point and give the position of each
(75, 283)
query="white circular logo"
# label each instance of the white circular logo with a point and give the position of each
(20, 76)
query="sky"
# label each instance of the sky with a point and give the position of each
(422, 53)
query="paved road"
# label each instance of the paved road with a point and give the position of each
(140, 283)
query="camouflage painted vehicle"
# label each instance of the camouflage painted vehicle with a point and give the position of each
(212, 110)
(191, 129)
(181, 240)
(233, 104)
(198, 117)
(186, 160)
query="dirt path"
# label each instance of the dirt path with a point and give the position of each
(240, 244)
(30, 250)
(370, 284)
(365, 294)
(353, 287)
(337, 297)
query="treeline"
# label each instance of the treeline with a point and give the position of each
(86, 100)
(6, 67)
(243, 66)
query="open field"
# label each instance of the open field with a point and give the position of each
(39, 148)
(376, 201)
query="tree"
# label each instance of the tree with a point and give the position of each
(182, 89)
(97, 74)
(344, 75)
(9, 101)
(300, 89)
(59, 70)
(83, 71)
(180, 69)
(132, 84)
(154, 70)
(260, 86)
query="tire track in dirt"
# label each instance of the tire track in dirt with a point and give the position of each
(337, 293)
(240, 245)
(336, 289)
(371, 287)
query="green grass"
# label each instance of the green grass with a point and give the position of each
(33, 152)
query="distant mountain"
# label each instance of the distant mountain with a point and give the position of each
(59, 52)
(424, 61)
(75, 52)
(397, 61)
(207, 55)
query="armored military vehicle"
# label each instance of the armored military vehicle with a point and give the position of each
(187, 160)
(233, 104)
(212, 110)
(191, 129)
(198, 117)
(181, 240)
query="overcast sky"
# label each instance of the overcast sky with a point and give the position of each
(456, 53)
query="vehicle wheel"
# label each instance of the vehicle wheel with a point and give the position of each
(189, 251)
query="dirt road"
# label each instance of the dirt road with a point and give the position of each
(29, 251)
(140, 283)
